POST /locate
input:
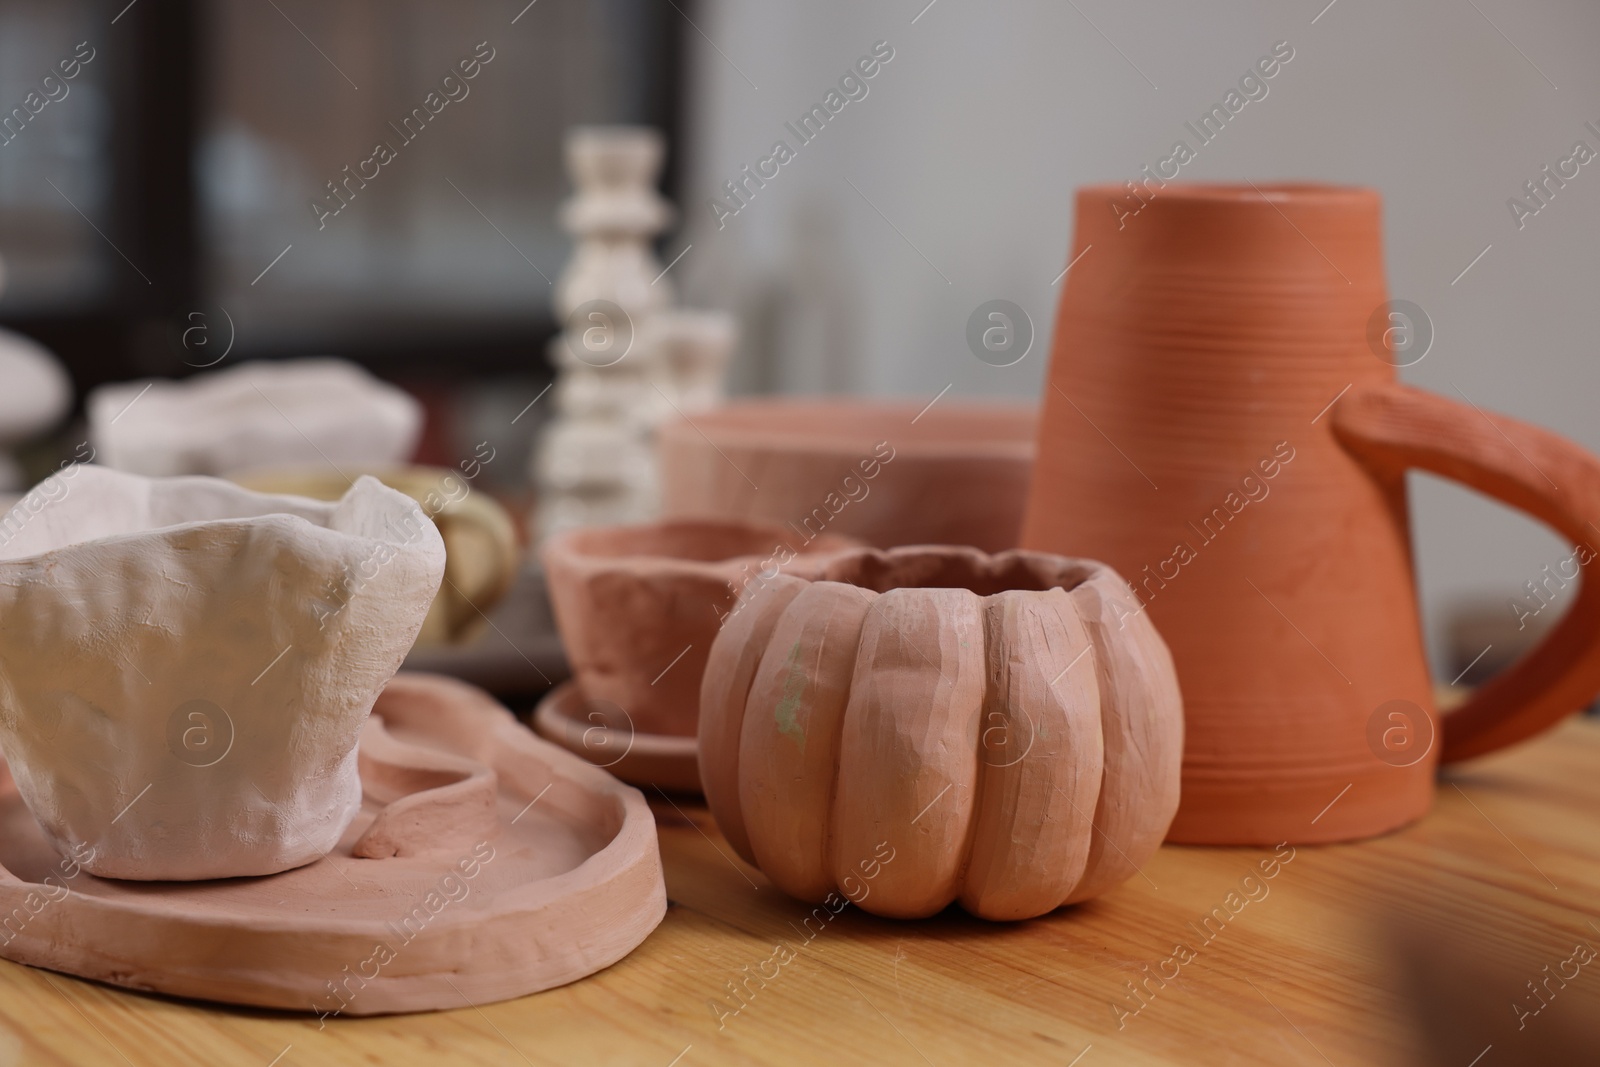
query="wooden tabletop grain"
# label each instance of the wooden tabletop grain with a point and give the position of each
(1459, 941)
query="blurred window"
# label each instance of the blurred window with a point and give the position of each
(193, 146)
(53, 155)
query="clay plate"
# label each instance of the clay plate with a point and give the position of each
(565, 879)
(662, 760)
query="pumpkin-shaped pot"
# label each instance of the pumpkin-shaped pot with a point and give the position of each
(922, 725)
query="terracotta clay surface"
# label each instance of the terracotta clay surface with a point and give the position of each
(187, 664)
(638, 607)
(1000, 730)
(1394, 428)
(499, 866)
(1222, 425)
(592, 730)
(888, 473)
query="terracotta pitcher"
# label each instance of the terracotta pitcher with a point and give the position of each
(1222, 424)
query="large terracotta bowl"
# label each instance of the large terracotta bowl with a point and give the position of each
(638, 608)
(894, 473)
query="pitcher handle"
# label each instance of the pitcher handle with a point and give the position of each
(1391, 427)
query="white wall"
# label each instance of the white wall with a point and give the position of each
(972, 139)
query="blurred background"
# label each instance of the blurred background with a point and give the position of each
(175, 180)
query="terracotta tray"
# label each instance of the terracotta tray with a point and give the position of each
(663, 760)
(486, 864)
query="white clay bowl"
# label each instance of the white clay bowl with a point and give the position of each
(185, 665)
(323, 412)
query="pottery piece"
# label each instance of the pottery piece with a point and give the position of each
(480, 540)
(186, 665)
(930, 724)
(1234, 346)
(595, 463)
(888, 473)
(595, 731)
(626, 359)
(485, 864)
(693, 349)
(616, 213)
(638, 607)
(37, 394)
(304, 411)
(596, 468)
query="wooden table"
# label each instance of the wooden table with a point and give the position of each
(1409, 949)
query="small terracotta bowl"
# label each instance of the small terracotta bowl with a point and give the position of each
(638, 608)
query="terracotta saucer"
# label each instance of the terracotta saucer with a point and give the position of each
(595, 731)
(485, 865)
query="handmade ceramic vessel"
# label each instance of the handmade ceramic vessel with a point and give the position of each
(598, 731)
(932, 724)
(480, 540)
(264, 413)
(594, 464)
(1224, 427)
(485, 864)
(638, 608)
(186, 665)
(890, 474)
(37, 394)
(694, 348)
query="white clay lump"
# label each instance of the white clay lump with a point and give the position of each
(258, 414)
(185, 665)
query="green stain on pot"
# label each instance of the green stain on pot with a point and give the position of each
(786, 714)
